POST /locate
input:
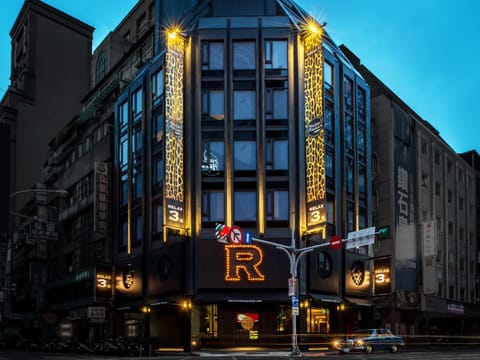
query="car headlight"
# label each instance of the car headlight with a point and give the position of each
(360, 342)
(336, 343)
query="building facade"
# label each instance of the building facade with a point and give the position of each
(422, 194)
(248, 115)
(43, 95)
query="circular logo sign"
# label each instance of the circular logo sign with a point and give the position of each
(128, 275)
(314, 126)
(358, 273)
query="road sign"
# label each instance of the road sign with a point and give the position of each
(336, 242)
(292, 286)
(247, 237)
(236, 235)
(295, 308)
(221, 233)
(360, 238)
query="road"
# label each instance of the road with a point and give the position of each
(457, 353)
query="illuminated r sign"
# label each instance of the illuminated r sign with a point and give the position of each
(246, 258)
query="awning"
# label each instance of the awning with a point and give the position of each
(358, 301)
(326, 298)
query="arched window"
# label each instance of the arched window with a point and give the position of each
(101, 67)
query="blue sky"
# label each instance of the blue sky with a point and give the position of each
(426, 51)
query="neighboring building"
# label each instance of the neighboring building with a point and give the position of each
(80, 267)
(422, 193)
(249, 115)
(46, 86)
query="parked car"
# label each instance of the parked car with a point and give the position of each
(369, 340)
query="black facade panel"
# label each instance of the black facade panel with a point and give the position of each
(4, 179)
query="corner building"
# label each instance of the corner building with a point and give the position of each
(247, 115)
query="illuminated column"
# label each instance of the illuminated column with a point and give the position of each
(174, 189)
(314, 130)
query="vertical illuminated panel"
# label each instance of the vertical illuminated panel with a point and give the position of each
(174, 191)
(314, 132)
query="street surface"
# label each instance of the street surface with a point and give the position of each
(457, 353)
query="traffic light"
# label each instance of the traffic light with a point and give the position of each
(383, 232)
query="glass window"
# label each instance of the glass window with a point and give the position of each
(245, 206)
(123, 114)
(362, 181)
(101, 67)
(213, 205)
(329, 168)
(244, 55)
(157, 219)
(157, 125)
(123, 152)
(328, 75)
(157, 85)
(213, 158)
(212, 55)
(213, 104)
(276, 154)
(138, 229)
(348, 84)
(137, 102)
(244, 153)
(123, 235)
(276, 103)
(361, 138)
(124, 189)
(137, 183)
(348, 132)
(277, 205)
(137, 141)
(276, 54)
(349, 176)
(157, 173)
(244, 105)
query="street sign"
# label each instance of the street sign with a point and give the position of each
(360, 238)
(221, 233)
(336, 242)
(247, 238)
(292, 286)
(236, 235)
(295, 308)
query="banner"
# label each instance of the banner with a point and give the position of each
(174, 191)
(314, 133)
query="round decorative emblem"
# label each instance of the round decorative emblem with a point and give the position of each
(357, 272)
(128, 275)
(315, 126)
(164, 267)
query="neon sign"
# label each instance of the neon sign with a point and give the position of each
(243, 259)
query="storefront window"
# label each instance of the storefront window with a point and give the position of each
(318, 320)
(209, 325)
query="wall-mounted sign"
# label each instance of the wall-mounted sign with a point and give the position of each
(174, 190)
(382, 276)
(314, 134)
(103, 283)
(243, 261)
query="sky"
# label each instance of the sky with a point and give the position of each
(426, 51)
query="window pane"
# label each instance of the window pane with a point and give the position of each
(245, 206)
(138, 228)
(280, 155)
(215, 56)
(279, 54)
(213, 206)
(328, 76)
(243, 55)
(216, 104)
(280, 211)
(244, 105)
(280, 104)
(123, 114)
(244, 153)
